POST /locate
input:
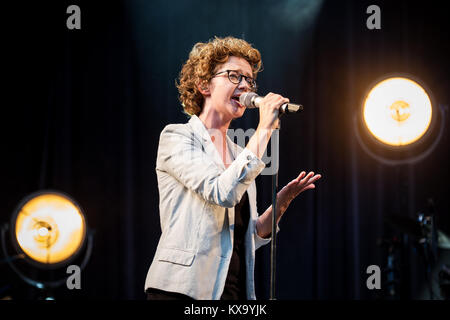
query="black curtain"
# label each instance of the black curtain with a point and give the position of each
(83, 109)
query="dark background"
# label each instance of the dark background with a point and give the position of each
(82, 111)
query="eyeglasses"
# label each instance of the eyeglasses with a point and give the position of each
(236, 78)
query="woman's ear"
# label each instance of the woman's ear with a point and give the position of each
(203, 87)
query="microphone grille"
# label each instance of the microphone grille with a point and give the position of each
(246, 99)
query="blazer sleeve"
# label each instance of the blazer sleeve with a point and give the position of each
(182, 155)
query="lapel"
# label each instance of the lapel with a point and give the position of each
(235, 151)
(207, 144)
(205, 139)
(203, 135)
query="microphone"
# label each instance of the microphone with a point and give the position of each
(252, 100)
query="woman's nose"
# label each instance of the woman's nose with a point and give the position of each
(244, 85)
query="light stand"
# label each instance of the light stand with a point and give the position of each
(41, 285)
(427, 246)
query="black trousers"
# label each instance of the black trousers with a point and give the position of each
(156, 294)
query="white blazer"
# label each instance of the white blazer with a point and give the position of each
(197, 199)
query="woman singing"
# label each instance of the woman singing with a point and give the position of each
(209, 219)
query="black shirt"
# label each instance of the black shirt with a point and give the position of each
(235, 284)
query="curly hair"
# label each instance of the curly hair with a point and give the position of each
(202, 62)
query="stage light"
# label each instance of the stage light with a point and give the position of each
(48, 231)
(49, 228)
(397, 121)
(397, 111)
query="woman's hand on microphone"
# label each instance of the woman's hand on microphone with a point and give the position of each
(268, 121)
(269, 110)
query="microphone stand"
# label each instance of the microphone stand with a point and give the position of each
(273, 249)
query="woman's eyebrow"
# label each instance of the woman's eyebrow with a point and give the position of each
(244, 73)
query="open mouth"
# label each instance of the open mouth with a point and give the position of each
(236, 100)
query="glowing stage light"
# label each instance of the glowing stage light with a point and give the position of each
(49, 228)
(398, 122)
(397, 111)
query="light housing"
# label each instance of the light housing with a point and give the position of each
(397, 111)
(49, 228)
(398, 121)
